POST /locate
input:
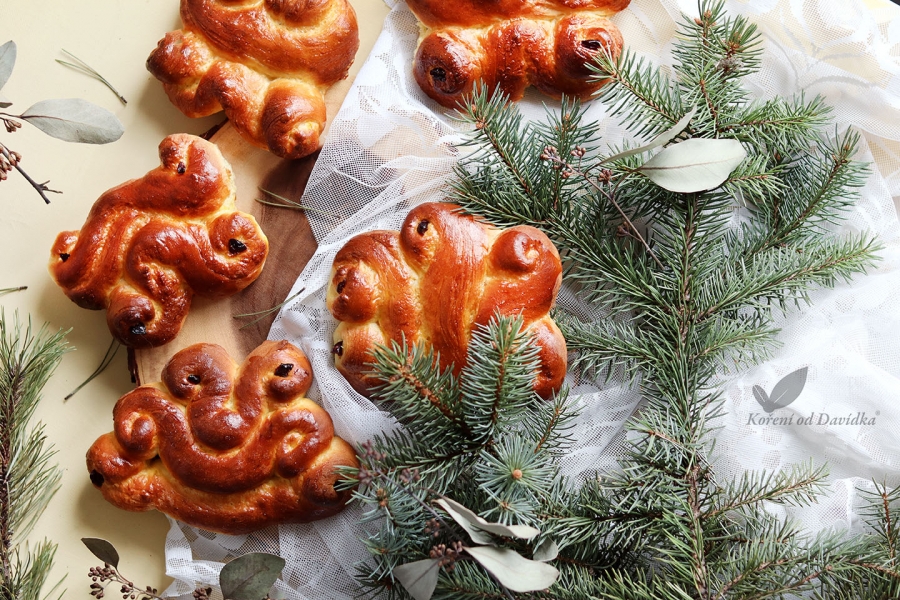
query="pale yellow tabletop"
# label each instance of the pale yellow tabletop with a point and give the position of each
(115, 37)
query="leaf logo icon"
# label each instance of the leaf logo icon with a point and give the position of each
(785, 391)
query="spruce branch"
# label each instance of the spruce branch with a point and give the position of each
(692, 295)
(639, 92)
(505, 444)
(689, 294)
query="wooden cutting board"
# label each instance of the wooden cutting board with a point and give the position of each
(291, 244)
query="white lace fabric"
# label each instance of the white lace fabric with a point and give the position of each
(391, 148)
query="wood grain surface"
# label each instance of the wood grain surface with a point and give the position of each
(291, 244)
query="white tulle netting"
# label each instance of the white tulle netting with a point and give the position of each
(390, 148)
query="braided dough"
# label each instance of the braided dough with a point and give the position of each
(511, 44)
(437, 278)
(224, 449)
(266, 63)
(149, 244)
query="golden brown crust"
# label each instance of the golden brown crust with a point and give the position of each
(512, 44)
(266, 63)
(150, 244)
(225, 449)
(478, 13)
(435, 280)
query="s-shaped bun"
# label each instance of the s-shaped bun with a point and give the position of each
(512, 44)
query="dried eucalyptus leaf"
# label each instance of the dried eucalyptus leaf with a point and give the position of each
(546, 550)
(75, 120)
(7, 62)
(660, 140)
(102, 550)
(419, 578)
(4, 101)
(475, 525)
(694, 165)
(464, 519)
(512, 570)
(251, 576)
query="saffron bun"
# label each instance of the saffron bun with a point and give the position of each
(434, 281)
(266, 63)
(224, 448)
(512, 44)
(150, 244)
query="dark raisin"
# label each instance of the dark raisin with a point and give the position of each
(284, 369)
(139, 329)
(439, 74)
(423, 227)
(181, 168)
(592, 44)
(236, 246)
(96, 478)
(64, 256)
(194, 379)
(338, 349)
(341, 286)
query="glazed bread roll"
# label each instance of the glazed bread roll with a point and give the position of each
(512, 44)
(266, 63)
(434, 281)
(224, 448)
(150, 244)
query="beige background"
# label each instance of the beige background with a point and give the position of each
(115, 37)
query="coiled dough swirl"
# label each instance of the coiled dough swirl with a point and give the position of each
(224, 448)
(266, 63)
(150, 244)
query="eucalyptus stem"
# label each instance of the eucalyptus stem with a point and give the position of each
(12, 159)
(70, 119)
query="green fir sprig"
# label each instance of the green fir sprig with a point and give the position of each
(28, 475)
(484, 439)
(690, 282)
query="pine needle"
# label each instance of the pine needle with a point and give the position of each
(91, 72)
(265, 313)
(107, 359)
(291, 204)
(5, 291)
(30, 478)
